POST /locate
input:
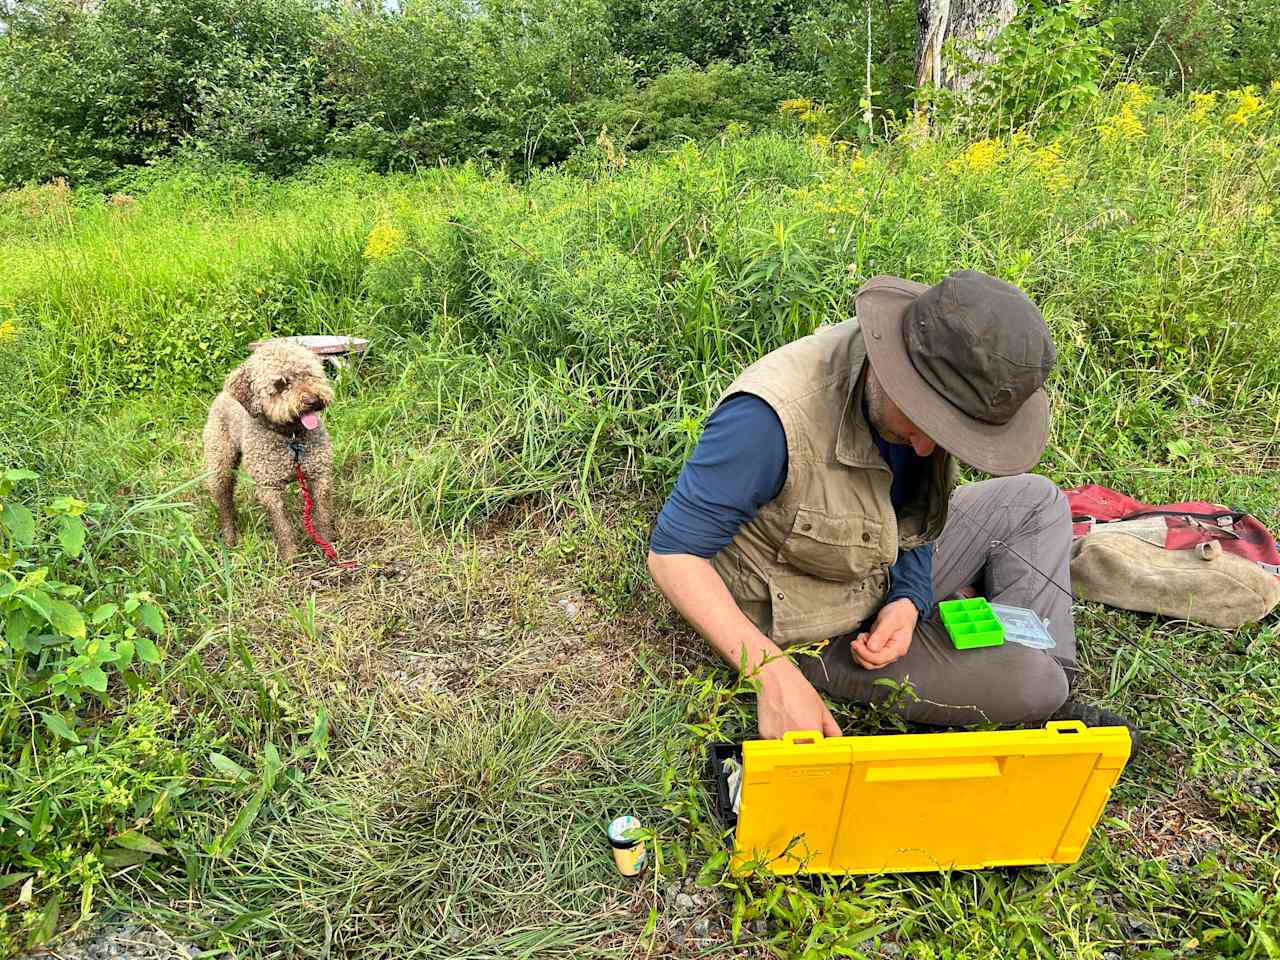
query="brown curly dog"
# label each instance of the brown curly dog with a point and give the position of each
(271, 400)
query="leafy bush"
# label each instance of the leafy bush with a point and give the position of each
(62, 630)
(86, 89)
(690, 103)
(1049, 64)
(1186, 45)
(664, 34)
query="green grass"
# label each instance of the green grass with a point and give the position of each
(499, 678)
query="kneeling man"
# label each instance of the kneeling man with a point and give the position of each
(819, 506)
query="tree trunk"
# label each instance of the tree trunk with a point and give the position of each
(974, 24)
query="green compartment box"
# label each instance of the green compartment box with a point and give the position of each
(971, 623)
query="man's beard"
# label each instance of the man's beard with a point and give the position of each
(877, 400)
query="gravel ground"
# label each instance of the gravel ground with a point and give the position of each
(124, 942)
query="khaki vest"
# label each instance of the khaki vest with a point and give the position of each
(814, 562)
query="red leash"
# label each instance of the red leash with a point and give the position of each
(308, 504)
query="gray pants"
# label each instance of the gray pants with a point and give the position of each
(1029, 518)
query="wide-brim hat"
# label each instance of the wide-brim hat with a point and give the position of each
(965, 360)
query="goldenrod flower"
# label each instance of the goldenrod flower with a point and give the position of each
(798, 105)
(1047, 162)
(1135, 95)
(1123, 126)
(8, 329)
(1247, 104)
(858, 163)
(1202, 104)
(979, 157)
(384, 241)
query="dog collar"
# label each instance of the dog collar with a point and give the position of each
(297, 448)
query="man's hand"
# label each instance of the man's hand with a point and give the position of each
(890, 635)
(787, 702)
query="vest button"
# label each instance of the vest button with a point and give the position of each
(866, 537)
(806, 527)
(781, 595)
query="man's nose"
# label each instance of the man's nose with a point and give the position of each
(922, 445)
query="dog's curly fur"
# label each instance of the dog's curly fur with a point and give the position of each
(251, 423)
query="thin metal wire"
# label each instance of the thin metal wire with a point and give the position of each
(1201, 696)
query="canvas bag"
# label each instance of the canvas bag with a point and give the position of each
(1194, 561)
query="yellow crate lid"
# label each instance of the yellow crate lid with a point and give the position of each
(931, 801)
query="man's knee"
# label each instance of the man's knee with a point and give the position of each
(1040, 498)
(1032, 689)
(1032, 488)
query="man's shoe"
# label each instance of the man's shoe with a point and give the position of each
(1092, 716)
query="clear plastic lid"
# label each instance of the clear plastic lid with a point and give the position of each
(1023, 626)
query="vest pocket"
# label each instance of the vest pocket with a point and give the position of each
(807, 609)
(833, 548)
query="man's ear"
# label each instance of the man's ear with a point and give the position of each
(239, 387)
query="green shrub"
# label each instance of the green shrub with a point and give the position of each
(86, 90)
(690, 103)
(1048, 69)
(1186, 45)
(63, 629)
(664, 34)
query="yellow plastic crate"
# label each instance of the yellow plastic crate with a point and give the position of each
(932, 801)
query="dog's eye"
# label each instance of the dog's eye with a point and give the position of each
(280, 384)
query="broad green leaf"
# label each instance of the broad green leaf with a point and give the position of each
(67, 505)
(94, 679)
(147, 650)
(225, 765)
(739, 911)
(248, 814)
(33, 579)
(17, 475)
(117, 858)
(48, 922)
(8, 880)
(104, 612)
(149, 614)
(17, 624)
(20, 522)
(124, 653)
(271, 765)
(58, 726)
(65, 618)
(134, 840)
(319, 739)
(71, 535)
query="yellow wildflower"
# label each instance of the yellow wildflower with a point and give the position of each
(7, 330)
(1202, 104)
(1047, 162)
(979, 157)
(384, 241)
(1135, 95)
(858, 163)
(1121, 127)
(1247, 103)
(798, 105)
(821, 141)
(1275, 86)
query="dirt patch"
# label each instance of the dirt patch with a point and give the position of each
(502, 610)
(1181, 830)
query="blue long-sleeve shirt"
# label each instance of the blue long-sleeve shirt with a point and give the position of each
(740, 464)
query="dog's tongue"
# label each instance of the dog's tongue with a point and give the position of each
(309, 420)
